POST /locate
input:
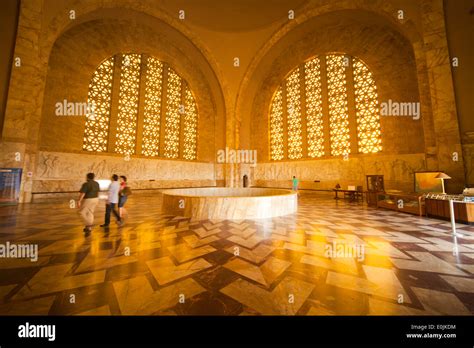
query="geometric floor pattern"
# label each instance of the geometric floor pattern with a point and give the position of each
(382, 263)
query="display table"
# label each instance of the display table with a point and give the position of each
(406, 203)
(439, 208)
(354, 195)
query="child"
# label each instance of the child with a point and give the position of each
(295, 183)
(123, 195)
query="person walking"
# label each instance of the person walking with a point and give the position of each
(88, 200)
(295, 183)
(112, 202)
(123, 195)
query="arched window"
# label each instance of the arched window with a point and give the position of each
(327, 106)
(140, 105)
(100, 95)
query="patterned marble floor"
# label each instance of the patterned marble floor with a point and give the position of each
(167, 265)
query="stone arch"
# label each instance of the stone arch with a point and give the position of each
(38, 32)
(337, 32)
(386, 12)
(84, 46)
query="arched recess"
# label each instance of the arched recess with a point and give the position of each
(377, 12)
(134, 11)
(388, 54)
(40, 30)
(357, 33)
(79, 50)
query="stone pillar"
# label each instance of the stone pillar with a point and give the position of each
(445, 121)
(425, 108)
(25, 96)
(231, 143)
(468, 155)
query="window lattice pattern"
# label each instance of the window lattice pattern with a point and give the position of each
(128, 104)
(100, 95)
(314, 108)
(294, 115)
(276, 126)
(367, 109)
(316, 121)
(152, 109)
(190, 126)
(149, 112)
(337, 99)
(172, 122)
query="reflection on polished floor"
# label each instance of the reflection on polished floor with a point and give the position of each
(167, 265)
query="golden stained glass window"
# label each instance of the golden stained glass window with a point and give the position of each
(337, 101)
(96, 131)
(367, 108)
(314, 108)
(173, 110)
(276, 126)
(293, 101)
(322, 109)
(148, 100)
(128, 104)
(152, 108)
(190, 126)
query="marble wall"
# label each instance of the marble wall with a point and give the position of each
(105, 37)
(445, 118)
(63, 172)
(468, 155)
(387, 53)
(409, 58)
(410, 62)
(58, 56)
(397, 170)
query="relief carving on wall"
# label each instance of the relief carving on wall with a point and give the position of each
(99, 169)
(47, 164)
(394, 167)
(70, 166)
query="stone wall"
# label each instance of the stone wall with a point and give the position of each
(65, 172)
(391, 59)
(388, 54)
(410, 62)
(468, 155)
(58, 55)
(398, 172)
(409, 59)
(79, 52)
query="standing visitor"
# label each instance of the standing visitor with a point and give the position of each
(295, 183)
(123, 195)
(112, 202)
(88, 200)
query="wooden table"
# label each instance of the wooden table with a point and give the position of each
(354, 195)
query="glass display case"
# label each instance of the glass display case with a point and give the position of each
(437, 206)
(406, 203)
(375, 185)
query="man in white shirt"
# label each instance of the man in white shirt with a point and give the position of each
(112, 202)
